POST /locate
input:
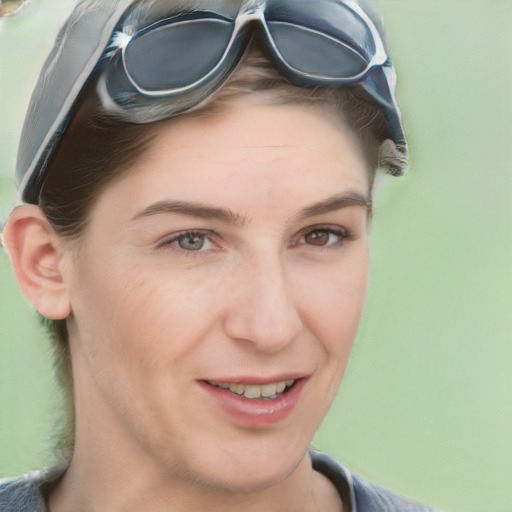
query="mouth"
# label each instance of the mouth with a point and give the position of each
(267, 391)
(256, 402)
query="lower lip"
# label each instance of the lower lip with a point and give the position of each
(253, 411)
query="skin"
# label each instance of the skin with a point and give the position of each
(273, 284)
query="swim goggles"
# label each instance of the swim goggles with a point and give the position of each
(171, 65)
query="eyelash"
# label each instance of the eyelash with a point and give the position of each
(207, 237)
(342, 234)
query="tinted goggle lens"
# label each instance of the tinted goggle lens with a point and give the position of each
(177, 54)
(319, 54)
(332, 41)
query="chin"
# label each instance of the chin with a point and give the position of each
(249, 481)
(255, 471)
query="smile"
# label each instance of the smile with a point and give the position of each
(269, 391)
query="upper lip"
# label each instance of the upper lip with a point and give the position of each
(258, 380)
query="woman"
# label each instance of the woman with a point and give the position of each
(198, 188)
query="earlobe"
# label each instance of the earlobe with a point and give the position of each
(37, 257)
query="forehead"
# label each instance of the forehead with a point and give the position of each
(248, 151)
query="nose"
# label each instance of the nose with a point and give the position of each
(263, 310)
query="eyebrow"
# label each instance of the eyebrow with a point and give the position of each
(192, 209)
(204, 211)
(337, 202)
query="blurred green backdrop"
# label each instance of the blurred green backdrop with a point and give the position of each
(426, 406)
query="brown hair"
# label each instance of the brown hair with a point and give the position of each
(96, 149)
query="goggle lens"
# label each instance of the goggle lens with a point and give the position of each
(331, 39)
(319, 54)
(178, 54)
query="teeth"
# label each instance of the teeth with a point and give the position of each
(269, 390)
(254, 391)
(237, 388)
(281, 386)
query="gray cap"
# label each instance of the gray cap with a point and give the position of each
(78, 47)
(81, 43)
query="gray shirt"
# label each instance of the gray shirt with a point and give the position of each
(27, 493)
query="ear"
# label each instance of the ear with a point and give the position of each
(37, 256)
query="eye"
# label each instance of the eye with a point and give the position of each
(190, 241)
(325, 237)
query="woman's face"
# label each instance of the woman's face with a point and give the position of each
(216, 294)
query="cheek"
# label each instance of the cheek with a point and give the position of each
(143, 314)
(339, 309)
(334, 300)
(333, 308)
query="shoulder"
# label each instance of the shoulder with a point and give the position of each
(370, 498)
(22, 494)
(363, 496)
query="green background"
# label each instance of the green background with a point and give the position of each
(426, 405)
